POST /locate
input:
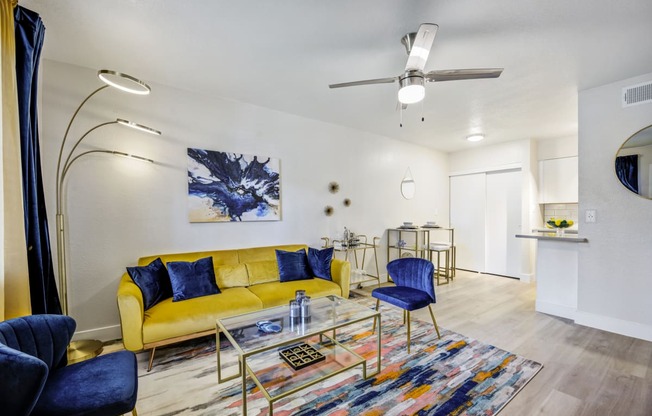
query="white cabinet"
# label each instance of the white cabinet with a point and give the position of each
(557, 278)
(558, 180)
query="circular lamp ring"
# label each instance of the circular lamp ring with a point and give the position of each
(138, 126)
(123, 82)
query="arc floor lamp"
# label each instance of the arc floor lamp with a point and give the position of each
(80, 350)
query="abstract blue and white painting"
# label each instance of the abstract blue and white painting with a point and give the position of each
(232, 187)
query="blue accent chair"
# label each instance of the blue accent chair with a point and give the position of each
(414, 289)
(35, 380)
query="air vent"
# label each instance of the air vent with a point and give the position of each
(637, 94)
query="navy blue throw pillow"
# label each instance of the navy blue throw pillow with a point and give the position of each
(320, 262)
(293, 265)
(153, 281)
(192, 279)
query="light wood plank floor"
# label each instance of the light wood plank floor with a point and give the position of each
(586, 371)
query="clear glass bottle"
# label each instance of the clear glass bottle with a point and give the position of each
(305, 308)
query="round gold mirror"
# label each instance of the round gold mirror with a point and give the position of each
(633, 165)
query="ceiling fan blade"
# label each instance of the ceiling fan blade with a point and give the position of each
(365, 82)
(420, 48)
(458, 74)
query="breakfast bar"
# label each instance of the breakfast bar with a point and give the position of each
(556, 271)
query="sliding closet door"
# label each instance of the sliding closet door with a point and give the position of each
(502, 248)
(467, 216)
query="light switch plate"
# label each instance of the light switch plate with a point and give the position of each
(590, 215)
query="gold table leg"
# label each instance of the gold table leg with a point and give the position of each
(243, 369)
(377, 305)
(408, 331)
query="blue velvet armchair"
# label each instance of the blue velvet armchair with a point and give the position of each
(414, 289)
(34, 378)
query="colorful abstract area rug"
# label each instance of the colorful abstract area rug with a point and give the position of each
(454, 375)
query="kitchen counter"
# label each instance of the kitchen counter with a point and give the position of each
(551, 236)
(556, 272)
(550, 230)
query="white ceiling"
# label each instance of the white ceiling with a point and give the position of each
(283, 54)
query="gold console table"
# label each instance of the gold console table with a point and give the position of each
(420, 245)
(340, 246)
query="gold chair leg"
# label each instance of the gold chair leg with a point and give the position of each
(373, 331)
(151, 359)
(438, 267)
(404, 316)
(432, 315)
(408, 330)
(134, 413)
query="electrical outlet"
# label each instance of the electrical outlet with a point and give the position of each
(589, 215)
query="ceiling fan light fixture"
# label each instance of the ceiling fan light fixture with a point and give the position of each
(412, 90)
(475, 137)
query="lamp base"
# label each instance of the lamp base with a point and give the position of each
(84, 350)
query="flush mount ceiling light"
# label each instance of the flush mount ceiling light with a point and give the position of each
(475, 137)
(123, 82)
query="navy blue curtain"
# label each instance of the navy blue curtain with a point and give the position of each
(627, 171)
(29, 42)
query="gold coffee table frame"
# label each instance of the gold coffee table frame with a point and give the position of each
(257, 351)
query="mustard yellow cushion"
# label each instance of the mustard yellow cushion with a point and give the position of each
(220, 258)
(169, 319)
(263, 272)
(280, 293)
(231, 276)
(235, 276)
(251, 255)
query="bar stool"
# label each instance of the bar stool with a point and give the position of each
(439, 249)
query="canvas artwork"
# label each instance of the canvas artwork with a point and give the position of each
(232, 187)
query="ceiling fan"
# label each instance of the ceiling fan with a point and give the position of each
(411, 82)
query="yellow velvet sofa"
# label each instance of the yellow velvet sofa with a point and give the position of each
(248, 280)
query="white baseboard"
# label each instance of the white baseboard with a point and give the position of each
(527, 278)
(108, 333)
(555, 309)
(615, 325)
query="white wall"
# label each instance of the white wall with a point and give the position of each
(615, 266)
(557, 148)
(490, 157)
(119, 209)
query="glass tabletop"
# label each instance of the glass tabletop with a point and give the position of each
(327, 313)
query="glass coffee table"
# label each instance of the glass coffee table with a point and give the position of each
(259, 352)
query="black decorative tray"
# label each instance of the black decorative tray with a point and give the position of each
(301, 355)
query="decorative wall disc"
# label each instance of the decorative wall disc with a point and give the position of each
(328, 210)
(333, 187)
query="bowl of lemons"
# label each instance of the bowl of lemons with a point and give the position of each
(559, 225)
